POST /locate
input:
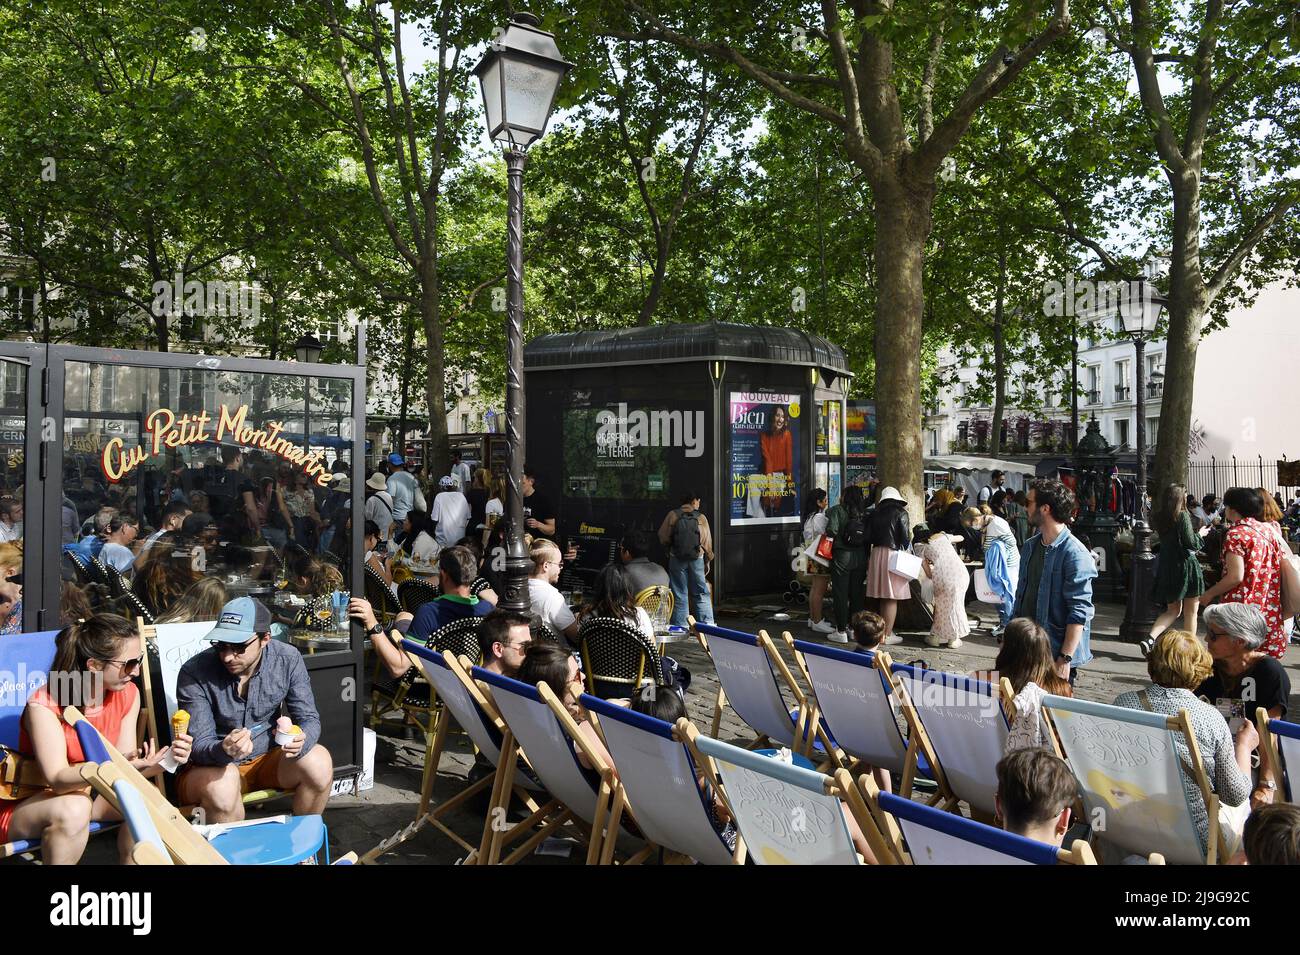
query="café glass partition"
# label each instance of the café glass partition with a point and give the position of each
(186, 487)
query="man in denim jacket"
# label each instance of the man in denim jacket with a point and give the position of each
(1056, 573)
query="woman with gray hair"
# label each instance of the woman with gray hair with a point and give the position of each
(1245, 677)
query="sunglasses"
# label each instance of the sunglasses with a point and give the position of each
(127, 665)
(221, 645)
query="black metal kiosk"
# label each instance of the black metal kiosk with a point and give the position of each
(621, 423)
(103, 441)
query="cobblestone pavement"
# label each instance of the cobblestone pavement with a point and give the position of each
(362, 821)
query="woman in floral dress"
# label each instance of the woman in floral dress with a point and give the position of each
(951, 581)
(1252, 565)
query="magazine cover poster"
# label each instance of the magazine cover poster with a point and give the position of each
(766, 439)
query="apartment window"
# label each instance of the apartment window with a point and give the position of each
(1122, 390)
(1153, 430)
(328, 332)
(18, 306)
(1121, 432)
(1093, 380)
(464, 424)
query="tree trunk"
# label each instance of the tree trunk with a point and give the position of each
(999, 357)
(439, 457)
(902, 226)
(1188, 300)
(656, 282)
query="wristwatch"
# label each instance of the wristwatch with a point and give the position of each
(1066, 657)
(375, 631)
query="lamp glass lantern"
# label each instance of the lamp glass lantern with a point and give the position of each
(1139, 308)
(307, 349)
(519, 76)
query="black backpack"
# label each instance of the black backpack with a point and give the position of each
(854, 533)
(686, 536)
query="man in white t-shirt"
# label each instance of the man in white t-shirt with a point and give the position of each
(11, 520)
(450, 512)
(996, 481)
(404, 489)
(548, 603)
(460, 471)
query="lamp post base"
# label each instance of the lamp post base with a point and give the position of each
(1140, 613)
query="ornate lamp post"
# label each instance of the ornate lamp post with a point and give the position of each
(1139, 312)
(519, 76)
(307, 350)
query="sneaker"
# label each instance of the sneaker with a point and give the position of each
(892, 640)
(837, 636)
(954, 644)
(933, 641)
(821, 626)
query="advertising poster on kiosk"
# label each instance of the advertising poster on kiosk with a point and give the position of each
(766, 445)
(861, 442)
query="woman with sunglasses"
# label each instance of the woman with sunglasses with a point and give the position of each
(94, 662)
(547, 662)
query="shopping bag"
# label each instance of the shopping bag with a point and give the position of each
(983, 592)
(823, 550)
(1290, 586)
(905, 565)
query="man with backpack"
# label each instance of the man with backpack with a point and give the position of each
(685, 533)
(846, 526)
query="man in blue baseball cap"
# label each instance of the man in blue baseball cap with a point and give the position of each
(235, 693)
(404, 489)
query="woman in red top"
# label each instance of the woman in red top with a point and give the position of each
(1252, 565)
(93, 665)
(777, 444)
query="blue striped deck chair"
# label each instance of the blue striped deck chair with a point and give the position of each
(658, 775)
(789, 815)
(1279, 747)
(935, 837)
(860, 707)
(963, 722)
(1131, 776)
(149, 848)
(25, 660)
(476, 715)
(295, 841)
(751, 674)
(546, 733)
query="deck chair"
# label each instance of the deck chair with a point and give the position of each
(616, 656)
(149, 847)
(381, 597)
(860, 707)
(169, 646)
(465, 701)
(265, 843)
(544, 730)
(411, 693)
(1279, 747)
(1131, 776)
(789, 815)
(962, 721)
(413, 593)
(656, 599)
(25, 658)
(657, 772)
(935, 837)
(748, 668)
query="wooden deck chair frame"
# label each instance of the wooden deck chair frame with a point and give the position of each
(1216, 848)
(887, 806)
(838, 786)
(151, 706)
(432, 815)
(1270, 754)
(496, 838)
(807, 728)
(918, 742)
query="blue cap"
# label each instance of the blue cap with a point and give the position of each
(396, 459)
(245, 617)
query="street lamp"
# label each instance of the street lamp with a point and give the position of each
(519, 76)
(1139, 312)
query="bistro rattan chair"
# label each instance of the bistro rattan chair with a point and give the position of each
(655, 600)
(617, 657)
(410, 692)
(411, 594)
(381, 597)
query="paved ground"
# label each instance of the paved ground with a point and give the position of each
(361, 822)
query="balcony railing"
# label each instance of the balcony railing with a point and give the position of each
(1155, 389)
(1092, 397)
(1122, 392)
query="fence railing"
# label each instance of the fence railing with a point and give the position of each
(1218, 474)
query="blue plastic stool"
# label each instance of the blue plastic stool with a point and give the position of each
(276, 843)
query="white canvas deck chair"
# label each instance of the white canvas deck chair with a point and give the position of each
(963, 722)
(789, 815)
(477, 716)
(1279, 747)
(751, 675)
(935, 837)
(1131, 776)
(658, 775)
(860, 708)
(546, 734)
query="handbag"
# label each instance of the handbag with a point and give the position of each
(825, 549)
(1290, 580)
(904, 564)
(983, 592)
(20, 776)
